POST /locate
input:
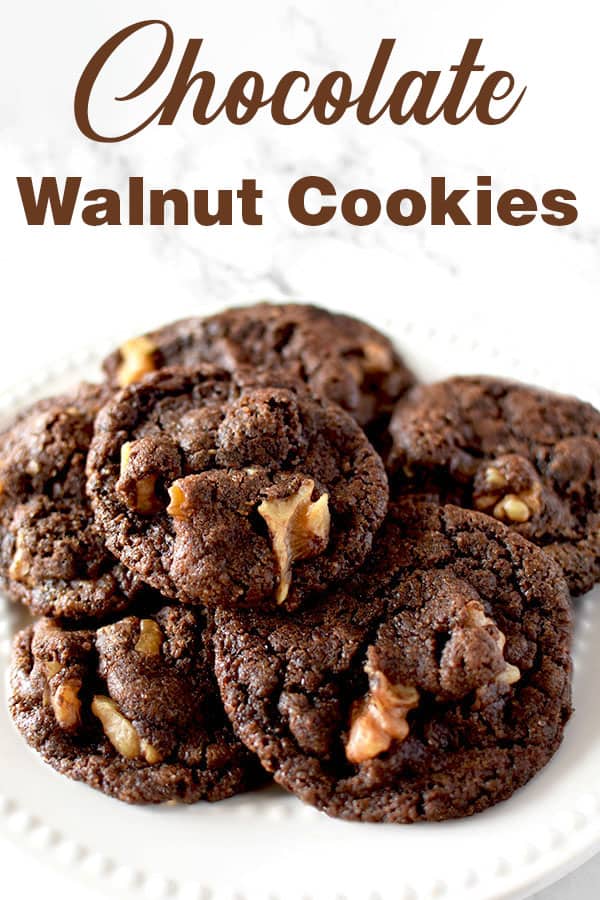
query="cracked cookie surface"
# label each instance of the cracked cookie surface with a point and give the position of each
(52, 556)
(132, 708)
(339, 357)
(527, 457)
(433, 687)
(217, 489)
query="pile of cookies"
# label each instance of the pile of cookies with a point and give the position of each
(260, 548)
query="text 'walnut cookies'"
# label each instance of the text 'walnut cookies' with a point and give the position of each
(337, 356)
(433, 687)
(52, 555)
(525, 456)
(132, 708)
(219, 492)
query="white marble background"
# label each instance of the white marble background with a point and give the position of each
(533, 285)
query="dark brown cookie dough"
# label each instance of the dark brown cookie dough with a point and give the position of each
(222, 493)
(339, 357)
(526, 456)
(432, 687)
(52, 556)
(132, 708)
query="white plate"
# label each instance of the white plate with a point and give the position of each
(269, 845)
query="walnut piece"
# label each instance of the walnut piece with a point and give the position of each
(21, 561)
(494, 479)
(374, 359)
(137, 360)
(66, 704)
(150, 639)
(150, 753)
(121, 733)
(380, 717)
(476, 618)
(512, 508)
(299, 529)
(178, 507)
(125, 455)
(508, 506)
(378, 358)
(145, 501)
(51, 668)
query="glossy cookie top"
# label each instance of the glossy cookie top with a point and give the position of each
(526, 456)
(432, 686)
(218, 491)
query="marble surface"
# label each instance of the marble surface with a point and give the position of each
(65, 286)
(108, 278)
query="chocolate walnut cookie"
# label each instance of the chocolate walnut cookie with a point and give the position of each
(216, 491)
(525, 456)
(52, 556)
(340, 358)
(131, 709)
(432, 687)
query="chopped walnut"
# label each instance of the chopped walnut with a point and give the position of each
(150, 753)
(121, 733)
(21, 561)
(380, 717)
(66, 703)
(51, 668)
(378, 358)
(145, 500)
(178, 507)
(146, 495)
(299, 528)
(117, 728)
(150, 639)
(125, 454)
(494, 478)
(137, 360)
(513, 509)
(374, 359)
(512, 495)
(476, 618)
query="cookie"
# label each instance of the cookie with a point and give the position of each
(52, 556)
(218, 492)
(526, 456)
(431, 687)
(339, 357)
(132, 708)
